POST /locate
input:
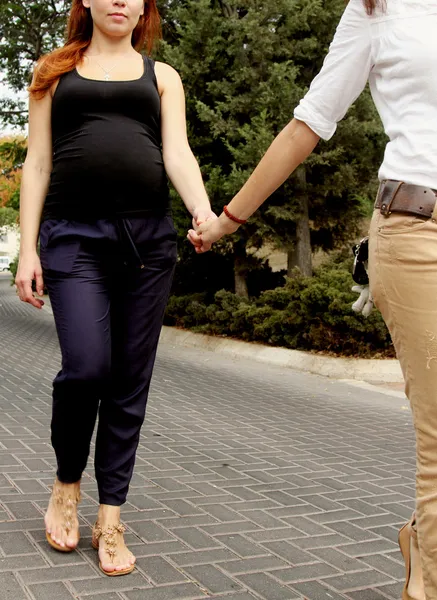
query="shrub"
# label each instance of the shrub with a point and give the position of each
(307, 313)
(13, 267)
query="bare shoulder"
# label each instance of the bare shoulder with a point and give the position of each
(167, 77)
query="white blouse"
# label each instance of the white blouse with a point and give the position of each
(396, 51)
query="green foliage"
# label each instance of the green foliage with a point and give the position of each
(8, 217)
(311, 314)
(14, 150)
(13, 268)
(28, 29)
(245, 65)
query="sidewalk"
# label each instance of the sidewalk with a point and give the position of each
(253, 481)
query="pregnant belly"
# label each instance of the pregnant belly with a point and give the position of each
(121, 156)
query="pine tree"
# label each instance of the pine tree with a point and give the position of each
(245, 65)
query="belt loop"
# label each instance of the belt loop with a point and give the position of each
(385, 208)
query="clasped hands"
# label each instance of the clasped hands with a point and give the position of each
(209, 228)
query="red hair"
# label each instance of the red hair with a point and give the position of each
(371, 5)
(79, 34)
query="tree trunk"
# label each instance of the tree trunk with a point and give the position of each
(301, 256)
(240, 269)
(227, 10)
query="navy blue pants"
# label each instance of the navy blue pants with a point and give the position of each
(108, 284)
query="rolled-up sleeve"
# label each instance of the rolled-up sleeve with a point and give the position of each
(343, 76)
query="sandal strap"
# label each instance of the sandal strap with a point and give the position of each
(67, 504)
(109, 534)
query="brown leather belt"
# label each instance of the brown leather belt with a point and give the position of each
(398, 197)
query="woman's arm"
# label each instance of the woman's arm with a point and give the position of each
(180, 164)
(342, 79)
(35, 181)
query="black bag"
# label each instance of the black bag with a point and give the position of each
(361, 254)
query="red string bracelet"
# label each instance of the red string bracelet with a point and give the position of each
(231, 216)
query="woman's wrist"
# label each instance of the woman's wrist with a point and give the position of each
(200, 207)
(27, 251)
(227, 224)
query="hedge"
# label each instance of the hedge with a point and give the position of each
(307, 313)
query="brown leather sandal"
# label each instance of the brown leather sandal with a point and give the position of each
(407, 537)
(67, 504)
(109, 535)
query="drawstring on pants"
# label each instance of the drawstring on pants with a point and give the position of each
(123, 228)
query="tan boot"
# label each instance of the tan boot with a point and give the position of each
(414, 588)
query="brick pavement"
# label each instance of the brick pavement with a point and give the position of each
(251, 482)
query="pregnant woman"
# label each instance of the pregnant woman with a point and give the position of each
(106, 127)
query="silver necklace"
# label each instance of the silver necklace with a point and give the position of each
(107, 72)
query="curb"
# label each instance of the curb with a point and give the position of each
(361, 370)
(358, 369)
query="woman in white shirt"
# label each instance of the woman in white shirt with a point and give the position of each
(392, 44)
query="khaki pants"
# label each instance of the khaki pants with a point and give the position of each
(403, 281)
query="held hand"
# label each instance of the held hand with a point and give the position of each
(210, 232)
(29, 269)
(202, 215)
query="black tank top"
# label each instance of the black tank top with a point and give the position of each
(107, 158)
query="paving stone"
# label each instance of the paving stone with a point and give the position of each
(182, 507)
(64, 573)
(21, 563)
(159, 570)
(16, 543)
(351, 531)
(23, 510)
(369, 594)
(255, 565)
(212, 579)
(151, 532)
(314, 590)
(103, 583)
(304, 572)
(321, 541)
(195, 538)
(52, 591)
(241, 546)
(267, 587)
(360, 579)
(291, 554)
(366, 548)
(187, 591)
(338, 559)
(10, 588)
(385, 564)
(393, 590)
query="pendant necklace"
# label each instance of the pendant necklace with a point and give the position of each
(107, 72)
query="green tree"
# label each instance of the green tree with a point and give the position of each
(28, 29)
(245, 65)
(12, 155)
